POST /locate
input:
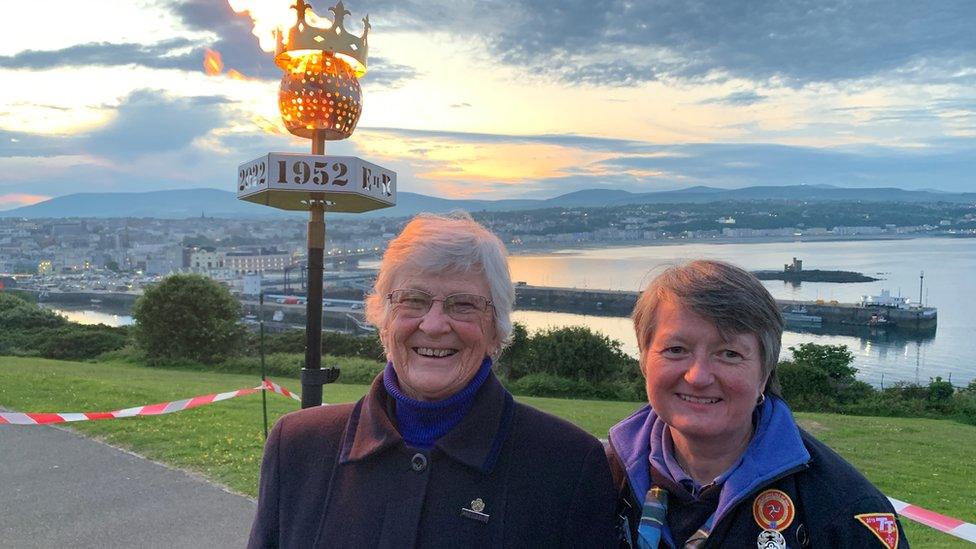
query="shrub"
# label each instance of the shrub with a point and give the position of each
(129, 354)
(835, 360)
(10, 301)
(79, 342)
(805, 387)
(336, 344)
(547, 385)
(187, 317)
(940, 390)
(28, 316)
(277, 365)
(573, 352)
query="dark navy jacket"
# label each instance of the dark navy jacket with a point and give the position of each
(826, 491)
(341, 476)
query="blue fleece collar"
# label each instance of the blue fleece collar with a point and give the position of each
(776, 448)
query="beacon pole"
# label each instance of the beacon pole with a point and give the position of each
(319, 98)
(313, 375)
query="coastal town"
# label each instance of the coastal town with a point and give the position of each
(126, 252)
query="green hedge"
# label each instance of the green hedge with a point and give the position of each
(27, 329)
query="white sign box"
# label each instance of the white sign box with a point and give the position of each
(289, 181)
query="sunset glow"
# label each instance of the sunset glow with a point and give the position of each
(465, 99)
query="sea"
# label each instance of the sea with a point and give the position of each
(882, 356)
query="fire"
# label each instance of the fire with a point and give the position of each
(212, 64)
(267, 17)
(268, 126)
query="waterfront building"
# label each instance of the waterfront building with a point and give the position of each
(256, 261)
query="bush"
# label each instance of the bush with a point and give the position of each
(805, 387)
(10, 301)
(546, 385)
(128, 353)
(277, 365)
(835, 360)
(940, 390)
(79, 342)
(28, 317)
(573, 352)
(188, 317)
(335, 344)
(516, 351)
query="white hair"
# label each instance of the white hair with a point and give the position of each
(454, 243)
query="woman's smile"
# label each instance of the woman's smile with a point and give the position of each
(702, 384)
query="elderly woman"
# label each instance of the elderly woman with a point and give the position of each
(437, 454)
(716, 459)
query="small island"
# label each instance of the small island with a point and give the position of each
(794, 273)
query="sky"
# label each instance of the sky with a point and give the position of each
(488, 99)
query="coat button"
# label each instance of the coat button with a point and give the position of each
(418, 462)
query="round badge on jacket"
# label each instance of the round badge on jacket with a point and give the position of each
(773, 510)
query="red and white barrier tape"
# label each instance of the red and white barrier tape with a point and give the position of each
(949, 525)
(942, 523)
(17, 418)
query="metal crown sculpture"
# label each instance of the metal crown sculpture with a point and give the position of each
(320, 89)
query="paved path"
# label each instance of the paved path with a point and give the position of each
(60, 489)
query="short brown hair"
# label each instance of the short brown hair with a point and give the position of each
(730, 297)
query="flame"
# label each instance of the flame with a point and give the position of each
(267, 17)
(269, 126)
(212, 64)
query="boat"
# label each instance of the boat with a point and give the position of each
(800, 315)
(877, 320)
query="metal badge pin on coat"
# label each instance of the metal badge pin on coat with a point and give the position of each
(475, 512)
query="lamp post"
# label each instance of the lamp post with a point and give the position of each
(319, 99)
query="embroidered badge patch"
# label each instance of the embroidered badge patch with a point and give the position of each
(882, 525)
(773, 510)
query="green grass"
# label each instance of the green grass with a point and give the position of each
(930, 463)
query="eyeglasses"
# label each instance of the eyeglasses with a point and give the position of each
(416, 303)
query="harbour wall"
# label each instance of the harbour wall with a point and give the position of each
(621, 303)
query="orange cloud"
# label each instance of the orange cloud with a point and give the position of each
(15, 200)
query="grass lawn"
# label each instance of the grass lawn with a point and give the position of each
(930, 463)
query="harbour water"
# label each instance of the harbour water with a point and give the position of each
(882, 356)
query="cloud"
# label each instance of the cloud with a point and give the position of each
(148, 122)
(794, 41)
(384, 73)
(737, 165)
(613, 73)
(566, 140)
(740, 98)
(237, 46)
(168, 54)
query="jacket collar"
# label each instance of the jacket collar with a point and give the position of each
(629, 440)
(476, 441)
(775, 449)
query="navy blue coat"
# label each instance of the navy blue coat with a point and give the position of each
(828, 493)
(341, 476)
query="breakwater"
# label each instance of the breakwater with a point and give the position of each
(621, 303)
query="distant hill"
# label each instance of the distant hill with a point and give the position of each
(217, 203)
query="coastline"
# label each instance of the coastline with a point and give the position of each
(557, 248)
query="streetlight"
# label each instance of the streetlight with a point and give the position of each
(319, 99)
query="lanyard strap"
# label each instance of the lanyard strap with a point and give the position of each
(653, 517)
